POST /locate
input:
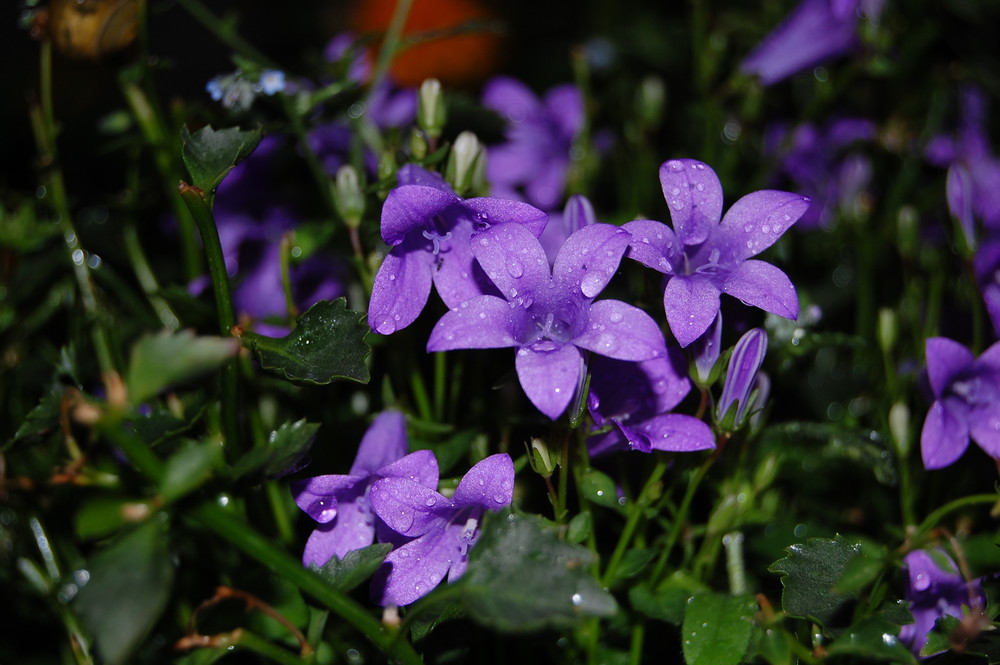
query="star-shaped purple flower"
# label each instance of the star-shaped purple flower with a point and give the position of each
(341, 504)
(966, 402)
(550, 316)
(703, 257)
(429, 228)
(936, 589)
(443, 530)
(637, 398)
(540, 134)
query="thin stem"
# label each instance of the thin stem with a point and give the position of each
(680, 519)
(935, 517)
(440, 384)
(635, 646)
(636, 512)
(285, 259)
(221, 29)
(390, 45)
(147, 279)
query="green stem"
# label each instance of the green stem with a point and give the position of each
(681, 517)
(221, 29)
(635, 647)
(147, 279)
(285, 259)
(563, 477)
(390, 45)
(932, 520)
(637, 510)
(244, 639)
(440, 385)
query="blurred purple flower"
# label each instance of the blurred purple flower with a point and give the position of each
(341, 504)
(816, 31)
(550, 316)
(936, 589)
(820, 163)
(741, 378)
(443, 530)
(966, 402)
(540, 134)
(429, 227)
(973, 183)
(636, 398)
(704, 257)
(986, 264)
(578, 213)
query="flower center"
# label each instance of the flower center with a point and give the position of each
(546, 325)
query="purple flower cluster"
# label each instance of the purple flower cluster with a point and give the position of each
(392, 497)
(936, 589)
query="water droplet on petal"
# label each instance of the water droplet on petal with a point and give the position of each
(677, 204)
(607, 343)
(616, 317)
(484, 241)
(387, 327)
(430, 501)
(674, 165)
(591, 284)
(515, 268)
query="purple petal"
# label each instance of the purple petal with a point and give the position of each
(513, 258)
(706, 349)
(565, 106)
(480, 323)
(945, 359)
(653, 244)
(411, 207)
(384, 442)
(549, 378)
(414, 569)
(694, 195)
(406, 506)
(944, 437)
(691, 304)
(489, 484)
(454, 268)
(510, 98)
(413, 174)
(318, 496)
(675, 432)
(756, 221)
(504, 211)
(623, 332)
(958, 191)
(589, 258)
(984, 425)
(354, 529)
(748, 355)
(420, 467)
(546, 187)
(760, 284)
(401, 288)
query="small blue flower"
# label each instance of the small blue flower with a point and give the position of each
(272, 81)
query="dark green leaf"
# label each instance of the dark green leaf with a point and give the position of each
(775, 646)
(168, 358)
(633, 563)
(579, 527)
(598, 488)
(128, 588)
(162, 423)
(43, 418)
(809, 574)
(521, 576)
(327, 344)
(282, 454)
(874, 638)
(858, 574)
(102, 516)
(717, 628)
(189, 467)
(668, 601)
(433, 617)
(356, 567)
(210, 154)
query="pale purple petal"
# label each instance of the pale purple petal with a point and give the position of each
(984, 426)
(510, 98)
(756, 221)
(958, 191)
(512, 258)
(410, 207)
(454, 270)
(414, 569)
(549, 378)
(318, 496)
(402, 286)
(760, 284)
(414, 174)
(489, 484)
(546, 186)
(420, 466)
(944, 437)
(565, 105)
(653, 244)
(741, 375)
(694, 194)
(691, 304)
(706, 350)
(589, 258)
(383, 443)
(354, 529)
(623, 332)
(945, 359)
(675, 432)
(502, 211)
(480, 323)
(406, 506)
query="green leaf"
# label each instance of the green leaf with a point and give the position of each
(598, 488)
(162, 422)
(521, 576)
(579, 527)
(356, 566)
(633, 563)
(190, 467)
(42, 419)
(102, 516)
(128, 589)
(286, 446)
(859, 573)
(433, 617)
(809, 574)
(717, 628)
(668, 601)
(775, 646)
(168, 358)
(327, 344)
(873, 638)
(210, 154)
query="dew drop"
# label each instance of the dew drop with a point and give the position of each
(700, 187)
(607, 343)
(674, 165)
(484, 241)
(615, 317)
(482, 315)
(591, 284)
(577, 599)
(675, 191)
(515, 268)
(747, 228)
(430, 501)
(392, 278)
(677, 204)
(387, 327)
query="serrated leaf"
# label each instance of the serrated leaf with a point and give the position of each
(809, 574)
(283, 453)
(327, 344)
(210, 154)
(168, 358)
(717, 628)
(128, 588)
(189, 468)
(356, 566)
(521, 576)
(42, 419)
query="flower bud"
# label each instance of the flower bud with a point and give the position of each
(886, 329)
(706, 351)
(348, 197)
(579, 212)
(463, 163)
(651, 99)
(542, 459)
(418, 145)
(899, 426)
(430, 109)
(741, 377)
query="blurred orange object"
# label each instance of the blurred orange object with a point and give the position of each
(458, 60)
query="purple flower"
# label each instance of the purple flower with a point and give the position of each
(741, 378)
(540, 133)
(703, 257)
(637, 398)
(341, 504)
(706, 350)
(936, 589)
(550, 316)
(429, 228)
(966, 402)
(578, 213)
(443, 530)
(986, 264)
(816, 31)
